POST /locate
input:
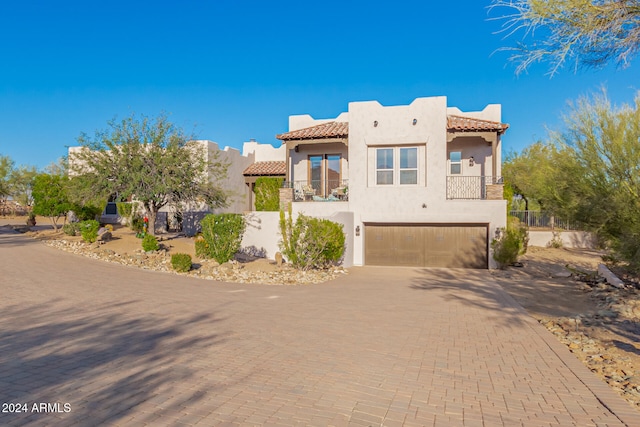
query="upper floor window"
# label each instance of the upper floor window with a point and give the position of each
(384, 166)
(397, 165)
(409, 165)
(455, 162)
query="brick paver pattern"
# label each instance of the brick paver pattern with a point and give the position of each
(379, 346)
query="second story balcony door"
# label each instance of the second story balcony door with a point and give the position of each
(324, 173)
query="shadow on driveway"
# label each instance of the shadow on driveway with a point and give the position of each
(103, 360)
(471, 288)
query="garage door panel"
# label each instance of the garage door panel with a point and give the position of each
(426, 245)
(408, 246)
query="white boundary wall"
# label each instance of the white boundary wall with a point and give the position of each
(570, 239)
(262, 234)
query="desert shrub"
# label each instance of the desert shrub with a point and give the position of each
(181, 262)
(311, 242)
(201, 246)
(610, 260)
(512, 243)
(137, 224)
(150, 243)
(556, 241)
(267, 192)
(88, 212)
(71, 229)
(222, 235)
(89, 230)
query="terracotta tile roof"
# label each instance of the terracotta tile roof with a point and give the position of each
(341, 129)
(266, 169)
(325, 130)
(469, 124)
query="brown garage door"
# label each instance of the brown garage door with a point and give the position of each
(454, 246)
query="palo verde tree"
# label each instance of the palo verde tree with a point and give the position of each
(604, 179)
(539, 174)
(590, 33)
(150, 160)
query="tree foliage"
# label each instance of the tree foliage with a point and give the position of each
(21, 184)
(152, 161)
(591, 33)
(590, 172)
(538, 175)
(6, 168)
(50, 197)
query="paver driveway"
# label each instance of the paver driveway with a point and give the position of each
(380, 346)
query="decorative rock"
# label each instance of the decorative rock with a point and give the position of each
(612, 279)
(105, 236)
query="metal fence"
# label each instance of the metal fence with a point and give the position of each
(537, 219)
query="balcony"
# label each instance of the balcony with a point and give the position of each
(474, 188)
(319, 191)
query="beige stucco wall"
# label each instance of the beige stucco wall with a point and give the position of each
(302, 121)
(262, 234)
(299, 162)
(475, 147)
(570, 239)
(263, 152)
(426, 202)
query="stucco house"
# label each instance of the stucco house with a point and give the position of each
(415, 185)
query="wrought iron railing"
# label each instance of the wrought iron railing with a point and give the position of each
(537, 219)
(330, 190)
(470, 187)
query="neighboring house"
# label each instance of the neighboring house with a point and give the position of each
(421, 182)
(235, 184)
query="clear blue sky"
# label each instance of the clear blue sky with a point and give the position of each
(235, 70)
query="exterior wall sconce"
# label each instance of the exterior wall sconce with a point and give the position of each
(472, 161)
(357, 230)
(424, 206)
(415, 121)
(375, 124)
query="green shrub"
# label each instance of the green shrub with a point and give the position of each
(150, 243)
(181, 262)
(88, 212)
(311, 242)
(89, 230)
(201, 246)
(556, 241)
(71, 229)
(137, 224)
(511, 244)
(222, 235)
(267, 191)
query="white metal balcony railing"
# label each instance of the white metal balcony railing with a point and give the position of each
(470, 187)
(319, 190)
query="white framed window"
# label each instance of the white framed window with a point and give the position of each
(384, 166)
(455, 162)
(396, 166)
(409, 166)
